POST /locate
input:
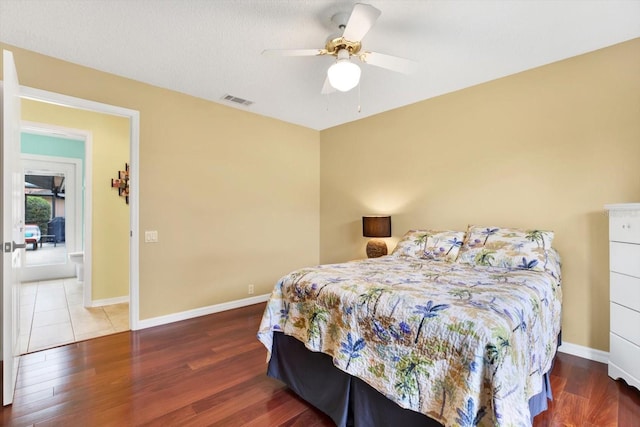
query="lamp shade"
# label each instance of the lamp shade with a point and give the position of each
(344, 75)
(376, 226)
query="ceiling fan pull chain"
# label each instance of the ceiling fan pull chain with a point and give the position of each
(359, 109)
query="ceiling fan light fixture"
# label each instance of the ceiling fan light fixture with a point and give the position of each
(344, 75)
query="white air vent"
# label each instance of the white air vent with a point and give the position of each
(237, 100)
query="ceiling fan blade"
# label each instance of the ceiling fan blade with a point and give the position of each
(360, 22)
(327, 88)
(393, 63)
(294, 52)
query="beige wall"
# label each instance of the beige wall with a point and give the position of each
(234, 196)
(546, 148)
(110, 213)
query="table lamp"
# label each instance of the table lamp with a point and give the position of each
(376, 226)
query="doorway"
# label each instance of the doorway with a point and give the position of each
(59, 300)
(133, 133)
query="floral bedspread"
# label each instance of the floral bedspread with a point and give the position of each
(462, 344)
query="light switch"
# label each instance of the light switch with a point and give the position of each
(151, 236)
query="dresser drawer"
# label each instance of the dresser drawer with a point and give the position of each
(625, 290)
(624, 258)
(624, 226)
(625, 355)
(625, 323)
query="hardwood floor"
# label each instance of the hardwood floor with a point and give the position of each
(211, 371)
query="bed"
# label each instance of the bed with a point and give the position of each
(452, 328)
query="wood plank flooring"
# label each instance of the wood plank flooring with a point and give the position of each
(211, 371)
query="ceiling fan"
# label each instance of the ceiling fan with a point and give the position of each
(344, 74)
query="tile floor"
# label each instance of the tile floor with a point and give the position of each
(52, 314)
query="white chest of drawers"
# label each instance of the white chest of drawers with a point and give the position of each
(624, 292)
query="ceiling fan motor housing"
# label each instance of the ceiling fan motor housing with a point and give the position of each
(336, 45)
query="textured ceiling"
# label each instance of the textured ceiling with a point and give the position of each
(210, 48)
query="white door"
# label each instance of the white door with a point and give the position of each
(50, 262)
(12, 225)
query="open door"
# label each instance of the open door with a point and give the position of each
(12, 226)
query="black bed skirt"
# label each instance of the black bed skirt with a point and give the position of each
(348, 400)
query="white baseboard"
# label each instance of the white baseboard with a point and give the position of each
(109, 301)
(203, 311)
(584, 352)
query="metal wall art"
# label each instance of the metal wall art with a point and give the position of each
(122, 183)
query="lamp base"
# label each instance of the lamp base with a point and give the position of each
(376, 248)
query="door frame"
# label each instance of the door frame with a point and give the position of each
(134, 180)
